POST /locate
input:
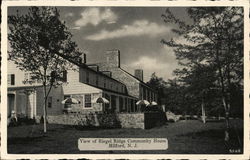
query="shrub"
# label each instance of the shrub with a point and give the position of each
(108, 120)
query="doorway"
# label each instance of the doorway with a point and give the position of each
(10, 104)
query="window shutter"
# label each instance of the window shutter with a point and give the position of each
(53, 76)
(9, 79)
(12, 81)
(64, 76)
(26, 76)
(87, 77)
(50, 102)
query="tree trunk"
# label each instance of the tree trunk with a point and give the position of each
(203, 112)
(223, 92)
(45, 109)
(226, 107)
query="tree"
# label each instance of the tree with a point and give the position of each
(158, 84)
(41, 44)
(213, 46)
(170, 94)
(175, 97)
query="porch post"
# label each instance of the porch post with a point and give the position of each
(118, 103)
(128, 104)
(15, 107)
(110, 98)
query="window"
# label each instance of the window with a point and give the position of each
(129, 107)
(96, 80)
(144, 94)
(11, 79)
(87, 77)
(134, 106)
(50, 102)
(121, 105)
(64, 76)
(126, 102)
(39, 81)
(87, 100)
(123, 89)
(141, 92)
(113, 103)
(67, 105)
(26, 77)
(107, 106)
(147, 94)
(104, 83)
(30, 78)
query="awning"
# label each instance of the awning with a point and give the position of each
(142, 102)
(70, 101)
(100, 100)
(153, 103)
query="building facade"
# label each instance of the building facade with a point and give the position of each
(86, 83)
(26, 98)
(134, 83)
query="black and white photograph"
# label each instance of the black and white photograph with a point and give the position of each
(125, 80)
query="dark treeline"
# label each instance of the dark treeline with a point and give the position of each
(180, 99)
(211, 58)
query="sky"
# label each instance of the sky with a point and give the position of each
(135, 31)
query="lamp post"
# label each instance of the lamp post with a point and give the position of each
(203, 111)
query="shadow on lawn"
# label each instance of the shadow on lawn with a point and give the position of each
(213, 133)
(234, 144)
(25, 140)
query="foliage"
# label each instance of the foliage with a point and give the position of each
(210, 49)
(157, 84)
(41, 45)
(40, 42)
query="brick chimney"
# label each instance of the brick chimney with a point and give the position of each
(113, 58)
(83, 58)
(139, 74)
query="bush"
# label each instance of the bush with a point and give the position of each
(108, 120)
(94, 120)
(20, 121)
(83, 120)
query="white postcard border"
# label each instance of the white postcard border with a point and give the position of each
(4, 6)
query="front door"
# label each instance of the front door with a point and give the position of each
(11, 104)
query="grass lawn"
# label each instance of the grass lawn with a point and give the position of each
(184, 137)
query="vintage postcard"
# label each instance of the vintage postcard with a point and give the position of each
(125, 79)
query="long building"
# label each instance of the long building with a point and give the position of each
(134, 83)
(86, 83)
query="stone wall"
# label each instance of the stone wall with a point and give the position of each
(131, 120)
(62, 119)
(120, 120)
(86, 120)
(132, 84)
